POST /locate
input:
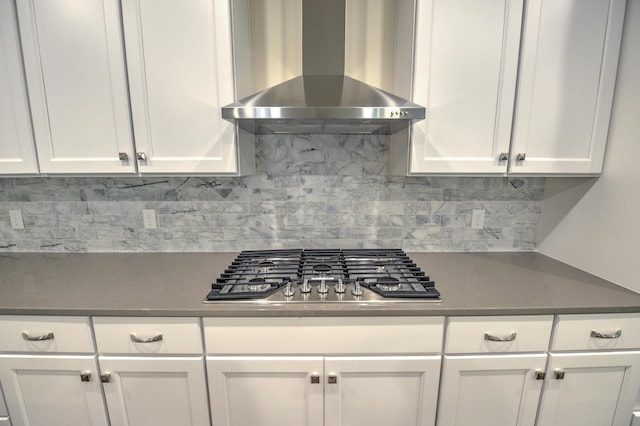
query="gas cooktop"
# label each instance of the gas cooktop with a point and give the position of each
(332, 276)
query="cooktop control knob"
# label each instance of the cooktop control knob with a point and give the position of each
(306, 287)
(357, 289)
(340, 287)
(289, 290)
(323, 287)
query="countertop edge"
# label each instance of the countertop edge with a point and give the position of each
(316, 312)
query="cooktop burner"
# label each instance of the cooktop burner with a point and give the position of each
(289, 276)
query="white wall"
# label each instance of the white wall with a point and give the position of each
(594, 224)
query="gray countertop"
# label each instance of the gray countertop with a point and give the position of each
(174, 284)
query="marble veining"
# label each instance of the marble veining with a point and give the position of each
(309, 191)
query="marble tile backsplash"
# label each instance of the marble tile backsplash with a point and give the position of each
(324, 191)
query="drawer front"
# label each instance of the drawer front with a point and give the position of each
(45, 334)
(498, 334)
(598, 331)
(131, 335)
(357, 335)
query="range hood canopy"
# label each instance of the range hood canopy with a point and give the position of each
(323, 99)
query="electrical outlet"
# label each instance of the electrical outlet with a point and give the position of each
(477, 219)
(149, 218)
(15, 216)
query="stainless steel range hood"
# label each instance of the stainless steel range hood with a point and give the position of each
(323, 99)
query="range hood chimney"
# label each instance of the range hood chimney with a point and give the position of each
(323, 99)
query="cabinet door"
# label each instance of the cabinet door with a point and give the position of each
(595, 389)
(74, 63)
(381, 391)
(568, 69)
(43, 390)
(156, 391)
(490, 390)
(3, 406)
(17, 153)
(266, 391)
(180, 74)
(465, 74)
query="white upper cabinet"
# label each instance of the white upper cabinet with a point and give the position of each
(466, 61)
(17, 153)
(180, 74)
(554, 121)
(568, 70)
(75, 70)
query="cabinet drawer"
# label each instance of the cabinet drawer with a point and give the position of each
(132, 335)
(370, 335)
(597, 331)
(45, 334)
(498, 334)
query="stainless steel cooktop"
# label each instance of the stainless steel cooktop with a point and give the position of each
(326, 276)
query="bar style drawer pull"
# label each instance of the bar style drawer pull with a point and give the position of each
(47, 336)
(491, 337)
(136, 339)
(600, 335)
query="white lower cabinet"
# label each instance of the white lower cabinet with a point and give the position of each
(53, 390)
(314, 371)
(157, 391)
(375, 371)
(496, 390)
(316, 391)
(381, 391)
(590, 389)
(153, 370)
(593, 375)
(493, 370)
(265, 391)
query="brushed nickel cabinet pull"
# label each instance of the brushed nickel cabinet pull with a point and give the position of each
(105, 378)
(559, 374)
(315, 379)
(46, 336)
(540, 375)
(521, 156)
(332, 379)
(85, 377)
(598, 335)
(504, 156)
(136, 339)
(123, 156)
(491, 337)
